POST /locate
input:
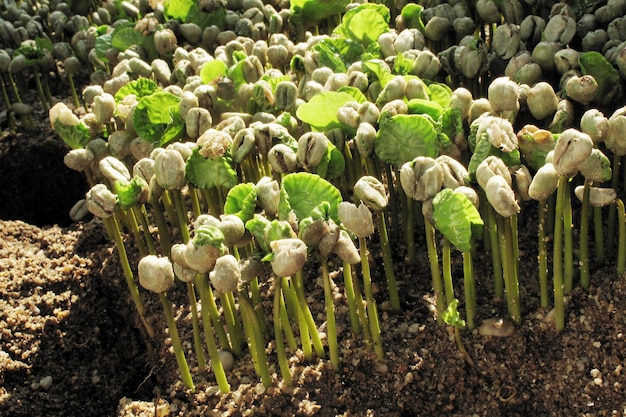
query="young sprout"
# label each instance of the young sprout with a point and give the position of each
(572, 148)
(494, 178)
(542, 186)
(596, 169)
(452, 318)
(358, 220)
(200, 254)
(102, 203)
(372, 193)
(187, 275)
(156, 274)
(616, 142)
(457, 218)
(289, 256)
(421, 180)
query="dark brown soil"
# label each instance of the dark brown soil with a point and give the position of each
(65, 313)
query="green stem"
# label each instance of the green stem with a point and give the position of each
(496, 256)
(447, 272)
(142, 215)
(210, 198)
(409, 229)
(568, 252)
(232, 323)
(197, 338)
(164, 232)
(392, 210)
(308, 317)
(195, 201)
(181, 214)
(392, 286)
(372, 310)
(256, 342)
(621, 244)
(7, 102)
(435, 272)
(461, 346)
(128, 273)
(612, 212)
(557, 277)
(333, 349)
(209, 310)
(70, 78)
(42, 95)
(278, 333)
(470, 292)
(178, 348)
(598, 233)
(256, 302)
(216, 364)
(288, 305)
(543, 254)
(511, 281)
(131, 221)
(584, 237)
(352, 308)
(169, 207)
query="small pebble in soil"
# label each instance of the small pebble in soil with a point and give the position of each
(227, 359)
(45, 382)
(496, 327)
(414, 328)
(212, 391)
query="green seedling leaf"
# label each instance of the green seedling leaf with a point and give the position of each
(177, 9)
(452, 317)
(103, 43)
(332, 164)
(338, 53)
(412, 14)
(358, 96)
(456, 218)
(483, 149)
(422, 106)
(157, 118)
(32, 54)
(608, 78)
(302, 192)
(125, 36)
(131, 193)
(205, 173)
(187, 12)
(241, 201)
(140, 88)
(257, 227)
(440, 93)
(44, 44)
(277, 230)
(212, 71)
(76, 137)
(402, 65)
(364, 23)
(404, 137)
(312, 11)
(375, 67)
(451, 123)
(321, 111)
(210, 235)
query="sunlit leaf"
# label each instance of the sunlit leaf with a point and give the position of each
(205, 173)
(456, 218)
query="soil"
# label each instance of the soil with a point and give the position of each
(71, 343)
